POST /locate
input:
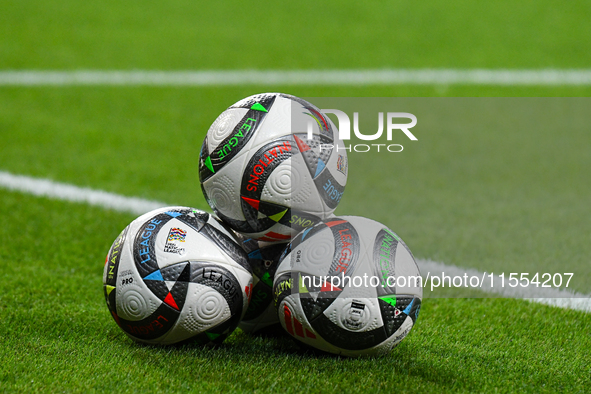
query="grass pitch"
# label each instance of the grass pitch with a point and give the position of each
(58, 336)
(524, 200)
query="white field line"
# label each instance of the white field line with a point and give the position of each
(550, 296)
(63, 191)
(46, 188)
(543, 77)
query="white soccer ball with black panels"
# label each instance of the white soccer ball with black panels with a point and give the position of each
(176, 274)
(325, 296)
(261, 315)
(262, 175)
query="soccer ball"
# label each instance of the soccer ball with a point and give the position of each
(324, 298)
(263, 176)
(261, 313)
(176, 274)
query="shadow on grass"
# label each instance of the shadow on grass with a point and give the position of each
(278, 350)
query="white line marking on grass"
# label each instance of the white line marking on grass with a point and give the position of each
(544, 77)
(550, 296)
(63, 191)
(138, 206)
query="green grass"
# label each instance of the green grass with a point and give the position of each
(58, 336)
(185, 34)
(476, 190)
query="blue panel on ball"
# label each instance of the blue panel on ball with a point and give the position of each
(156, 275)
